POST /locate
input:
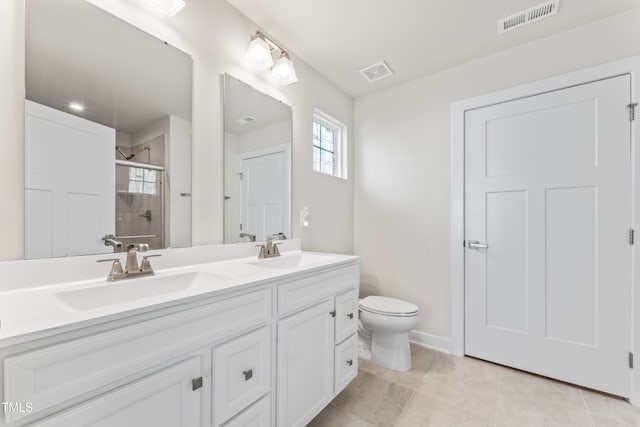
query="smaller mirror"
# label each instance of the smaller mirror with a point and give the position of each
(257, 164)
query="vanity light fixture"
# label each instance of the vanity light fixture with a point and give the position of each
(284, 69)
(76, 106)
(260, 53)
(169, 7)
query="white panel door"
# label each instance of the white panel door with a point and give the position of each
(548, 189)
(69, 184)
(264, 193)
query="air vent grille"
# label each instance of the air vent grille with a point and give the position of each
(377, 71)
(528, 16)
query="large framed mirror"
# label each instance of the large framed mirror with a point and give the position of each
(107, 134)
(257, 164)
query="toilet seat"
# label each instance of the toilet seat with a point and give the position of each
(388, 306)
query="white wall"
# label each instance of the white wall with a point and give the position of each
(216, 35)
(402, 206)
(268, 136)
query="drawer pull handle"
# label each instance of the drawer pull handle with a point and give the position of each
(248, 374)
(332, 313)
(350, 315)
(196, 383)
(350, 362)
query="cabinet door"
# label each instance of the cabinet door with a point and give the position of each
(241, 373)
(346, 315)
(346, 362)
(305, 364)
(163, 399)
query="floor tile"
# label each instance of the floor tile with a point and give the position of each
(443, 390)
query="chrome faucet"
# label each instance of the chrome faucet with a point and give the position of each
(131, 268)
(269, 250)
(110, 240)
(132, 256)
(252, 237)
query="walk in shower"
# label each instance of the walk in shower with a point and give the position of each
(140, 194)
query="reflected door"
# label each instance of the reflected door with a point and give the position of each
(548, 190)
(264, 192)
(69, 192)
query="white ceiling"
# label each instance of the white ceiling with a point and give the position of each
(126, 78)
(415, 37)
(241, 100)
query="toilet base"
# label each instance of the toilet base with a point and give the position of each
(391, 350)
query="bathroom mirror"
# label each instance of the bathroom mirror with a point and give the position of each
(257, 164)
(107, 134)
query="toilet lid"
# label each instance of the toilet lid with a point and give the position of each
(385, 305)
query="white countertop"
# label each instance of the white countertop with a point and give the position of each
(29, 313)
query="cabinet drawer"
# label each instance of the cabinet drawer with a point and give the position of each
(77, 369)
(346, 363)
(257, 415)
(309, 290)
(241, 373)
(346, 315)
(163, 399)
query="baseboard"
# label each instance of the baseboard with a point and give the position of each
(429, 341)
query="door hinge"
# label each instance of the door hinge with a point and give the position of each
(240, 227)
(464, 243)
(632, 111)
(630, 360)
(632, 236)
(196, 383)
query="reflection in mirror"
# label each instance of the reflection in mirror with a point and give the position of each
(257, 164)
(107, 134)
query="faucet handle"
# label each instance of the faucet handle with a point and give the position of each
(263, 251)
(146, 264)
(116, 268)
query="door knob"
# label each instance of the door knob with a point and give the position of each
(474, 244)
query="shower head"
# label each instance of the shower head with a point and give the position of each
(129, 157)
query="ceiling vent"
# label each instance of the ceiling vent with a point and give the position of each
(245, 120)
(528, 16)
(377, 71)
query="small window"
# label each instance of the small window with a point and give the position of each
(329, 142)
(143, 181)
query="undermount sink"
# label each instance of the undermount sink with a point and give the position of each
(129, 290)
(293, 261)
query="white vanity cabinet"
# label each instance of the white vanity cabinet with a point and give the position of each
(114, 365)
(270, 353)
(317, 342)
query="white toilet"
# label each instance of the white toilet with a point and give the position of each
(384, 330)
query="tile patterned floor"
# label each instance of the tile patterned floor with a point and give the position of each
(442, 390)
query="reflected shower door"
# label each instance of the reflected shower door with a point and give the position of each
(140, 205)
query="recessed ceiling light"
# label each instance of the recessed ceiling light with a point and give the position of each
(246, 119)
(76, 106)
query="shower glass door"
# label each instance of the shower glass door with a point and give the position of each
(140, 205)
